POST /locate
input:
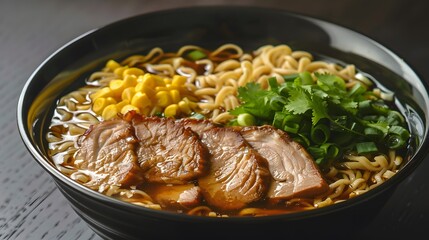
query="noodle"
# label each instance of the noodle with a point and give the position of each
(226, 69)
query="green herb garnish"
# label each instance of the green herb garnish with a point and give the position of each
(323, 115)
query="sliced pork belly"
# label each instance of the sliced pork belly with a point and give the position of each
(294, 172)
(107, 150)
(167, 152)
(238, 175)
(176, 196)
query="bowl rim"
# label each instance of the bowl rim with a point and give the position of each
(58, 176)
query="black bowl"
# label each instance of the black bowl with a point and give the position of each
(249, 27)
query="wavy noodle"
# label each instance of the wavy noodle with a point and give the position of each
(227, 68)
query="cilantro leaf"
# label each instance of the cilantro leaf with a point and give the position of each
(299, 101)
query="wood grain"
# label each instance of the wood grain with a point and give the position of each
(30, 205)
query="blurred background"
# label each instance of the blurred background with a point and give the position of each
(30, 205)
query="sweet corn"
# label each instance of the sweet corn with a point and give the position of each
(171, 110)
(163, 98)
(112, 65)
(121, 104)
(175, 95)
(128, 108)
(184, 107)
(117, 86)
(120, 70)
(142, 92)
(130, 81)
(178, 80)
(140, 100)
(109, 112)
(104, 92)
(133, 71)
(101, 103)
(167, 81)
(128, 93)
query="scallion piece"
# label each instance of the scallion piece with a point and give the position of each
(398, 130)
(394, 141)
(331, 150)
(373, 133)
(366, 147)
(196, 55)
(357, 89)
(246, 119)
(198, 116)
(320, 133)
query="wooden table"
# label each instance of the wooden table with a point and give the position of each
(30, 205)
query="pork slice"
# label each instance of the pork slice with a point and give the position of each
(107, 151)
(293, 170)
(184, 196)
(167, 152)
(197, 125)
(238, 175)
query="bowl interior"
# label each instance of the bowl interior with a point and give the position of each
(210, 27)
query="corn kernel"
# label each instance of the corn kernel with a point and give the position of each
(130, 81)
(171, 110)
(121, 104)
(140, 100)
(128, 93)
(104, 92)
(163, 98)
(149, 80)
(133, 71)
(117, 86)
(159, 81)
(161, 88)
(111, 100)
(175, 96)
(109, 112)
(167, 80)
(141, 87)
(99, 105)
(120, 70)
(112, 65)
(184, 107)
(178, 80)
(128, 108)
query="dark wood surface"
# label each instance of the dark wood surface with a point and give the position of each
(30, 205)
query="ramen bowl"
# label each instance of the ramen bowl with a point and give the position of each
(248, 27)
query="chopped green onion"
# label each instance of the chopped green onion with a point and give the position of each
(398, 130)
(291, 127)
(276, 103)
(196, 55)
(394, 141)
(278, 119)
(246, 119)
(331, 150)
(317, 152)
(373, 133)
(303, 140)
(357, 89)
(198, 116)
(365, 107)
(320, 133)
(366, 147)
